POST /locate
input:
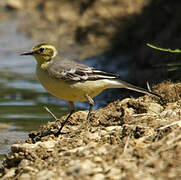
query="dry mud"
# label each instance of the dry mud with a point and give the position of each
(128, 139)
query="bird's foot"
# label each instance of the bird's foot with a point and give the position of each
(84, 126)
(60, 133)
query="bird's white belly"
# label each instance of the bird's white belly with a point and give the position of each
(68, 90)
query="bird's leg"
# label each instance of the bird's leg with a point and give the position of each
(91, 105)
(85, 125)
(72, 110)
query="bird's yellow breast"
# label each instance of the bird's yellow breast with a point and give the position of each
(70, 91)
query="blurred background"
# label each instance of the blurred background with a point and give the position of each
(108, 34)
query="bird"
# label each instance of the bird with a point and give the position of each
(72, 81)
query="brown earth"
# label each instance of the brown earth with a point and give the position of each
(129, 139)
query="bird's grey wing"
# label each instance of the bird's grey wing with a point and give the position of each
(72, 71)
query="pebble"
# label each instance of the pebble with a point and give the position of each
(98, 176)
(45, 175)
(98, 159)
(155, 108)
(30, 169)
(101, 150)
(9, 174)
(14, 4)
(49, 145)
(24, 163)
(92, 136)
(114, 173)
(25, 176)
(80, 168)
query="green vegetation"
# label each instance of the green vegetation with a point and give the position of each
(163, 49)
(171, 66)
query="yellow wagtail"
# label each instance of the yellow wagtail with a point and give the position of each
(72, 81)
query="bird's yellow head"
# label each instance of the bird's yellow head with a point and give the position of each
(42, 53)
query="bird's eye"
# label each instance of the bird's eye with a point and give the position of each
(42, 49)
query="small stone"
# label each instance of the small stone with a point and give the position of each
(92, 145)
(101, 150)
(23, 163)
(113, 128)
(44, 175)
(81, 168)
(97, 159)
(49, 145)
(12, 4)
(30, 169)
(102, 132)
(155, 108)
(9, 174)
(74, 170)
(25, 176)
(114, 173)
(98, 177)
(22, 147)
(93, 136)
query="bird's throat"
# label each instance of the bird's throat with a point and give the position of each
(45, 65)
(42, 59)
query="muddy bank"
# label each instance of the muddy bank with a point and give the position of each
(129, 139)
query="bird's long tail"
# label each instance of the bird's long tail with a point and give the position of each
(122, 84)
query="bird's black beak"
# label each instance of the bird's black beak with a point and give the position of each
(27, 53)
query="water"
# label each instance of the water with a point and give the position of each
(22, 98)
